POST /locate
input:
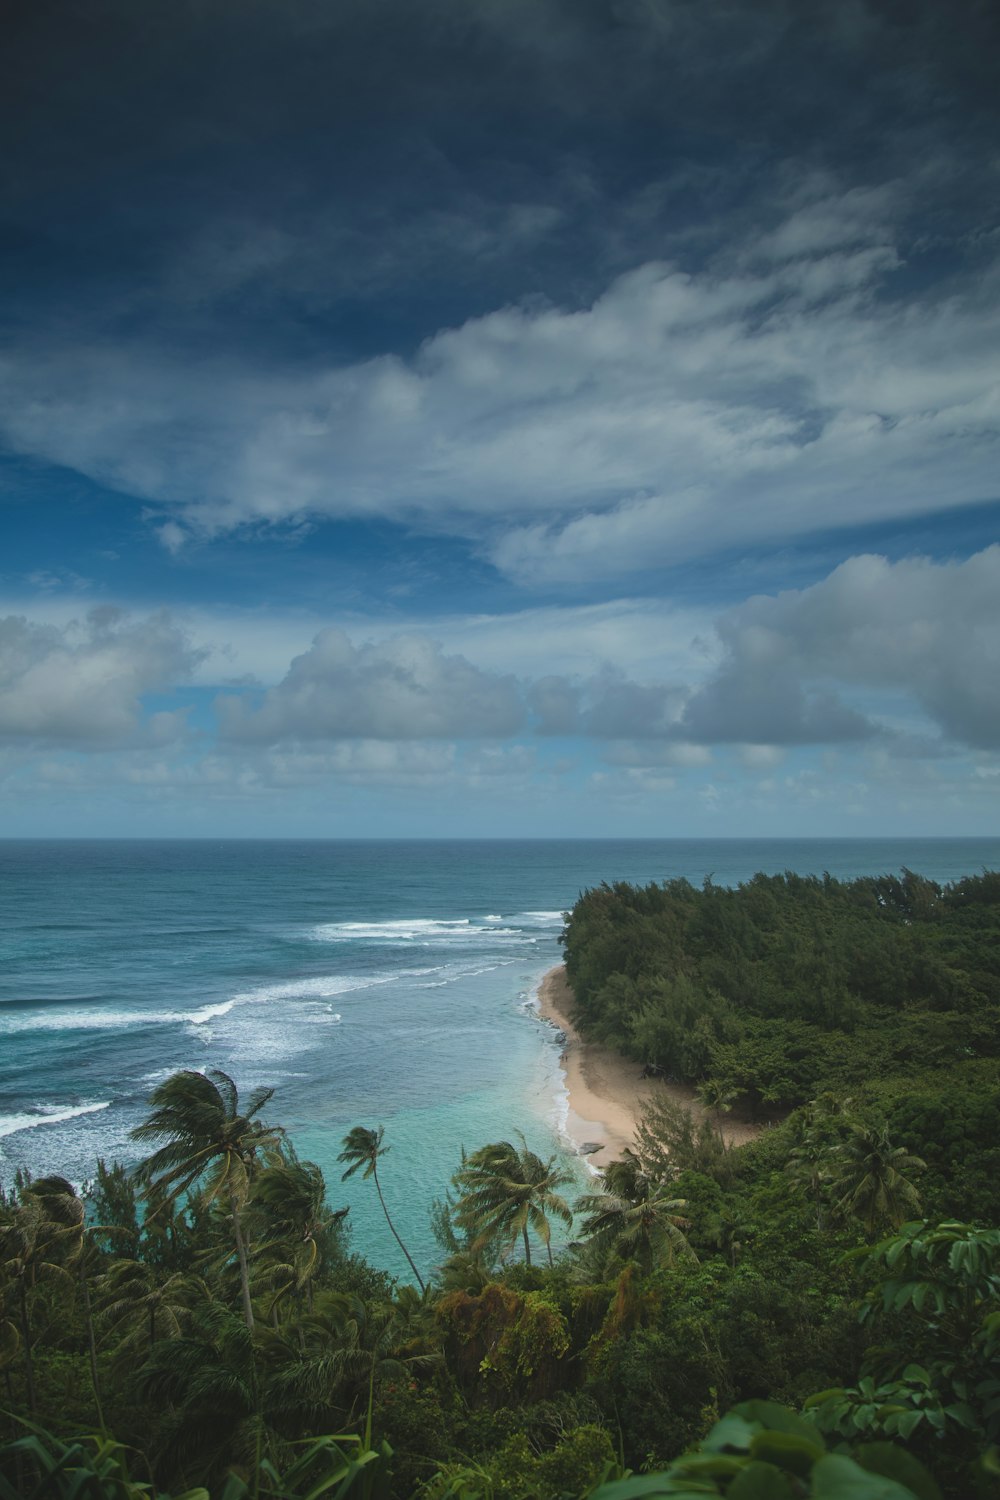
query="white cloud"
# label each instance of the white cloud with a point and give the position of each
(763, 396)
(929, 632)
(678, 753)
(761, 757)
(83, 684)
(402, 688)
(172, 536)
(901, 655)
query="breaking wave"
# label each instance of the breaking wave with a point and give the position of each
(47, 1114)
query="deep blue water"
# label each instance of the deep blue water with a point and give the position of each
(368, 982)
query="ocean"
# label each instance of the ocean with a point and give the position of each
(369, 983)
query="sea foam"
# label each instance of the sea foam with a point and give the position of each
(47, 1114)
(422, 931)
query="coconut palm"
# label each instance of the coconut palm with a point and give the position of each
(868, 1173)
(33, 1248)
(505, 1191)
(289, 1211)
(633, 1217)
(819, 1130)
(136, 1300)
(362, 1149)
(207, 1136)
(20, 1255)
(67, 1216)
(206, 1384)
(346, 1348)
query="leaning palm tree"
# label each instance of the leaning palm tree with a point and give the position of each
(345, 1348)
(206, 1384)
(36, 1241)
(362, 1148)
(206, 1135)
(869, 1176)
(632, 1217)
(289, 1211)
(67, 1216)
(142, 1306)
(506, 1191)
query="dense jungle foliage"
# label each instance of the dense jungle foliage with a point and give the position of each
(815, 1313)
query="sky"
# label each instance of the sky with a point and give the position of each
(499, 418)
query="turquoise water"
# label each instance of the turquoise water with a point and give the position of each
(369, 983)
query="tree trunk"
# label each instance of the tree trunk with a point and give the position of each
(241, 1256)
(527, 1247)
(29, 1366)
(392, 1226)
(91, 1342)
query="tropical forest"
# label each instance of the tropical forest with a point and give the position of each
(814, 1312)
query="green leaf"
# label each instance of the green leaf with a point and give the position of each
(838, 1478)
(905, 1424)
(895, 1463)
(788, 1450)
(760, 1481)
(776, 1418)
(641, 1485)
(731, 1431)
(709, 1465)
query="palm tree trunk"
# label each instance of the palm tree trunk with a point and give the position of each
(29, 1367)
(241, 1256)
(91, 1342)
(399, 1242)
(527, 1247)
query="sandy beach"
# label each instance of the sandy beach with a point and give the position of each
(607, 1093)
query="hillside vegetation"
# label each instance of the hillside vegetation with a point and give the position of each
(814, 1314)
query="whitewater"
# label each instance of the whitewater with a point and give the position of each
(372, 983)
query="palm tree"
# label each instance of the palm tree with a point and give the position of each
(868, 1172)
(206, 1384)
(67, 1215)
(362, 1148)
(717, 1097)
(33, 1245)
(346, 1348)
(288, 1206)
(137, 1298)
(819, 1130)
(633, 1217)
(506, 1191)
(198, 1117)
(20, 1258)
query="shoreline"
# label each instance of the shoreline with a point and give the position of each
(606, 1091)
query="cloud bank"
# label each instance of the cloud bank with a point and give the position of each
(774, 393)
(83, 686)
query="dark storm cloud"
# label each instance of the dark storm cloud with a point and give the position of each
(255, 174)
(589, 285)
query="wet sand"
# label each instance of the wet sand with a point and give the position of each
(607, 1093)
